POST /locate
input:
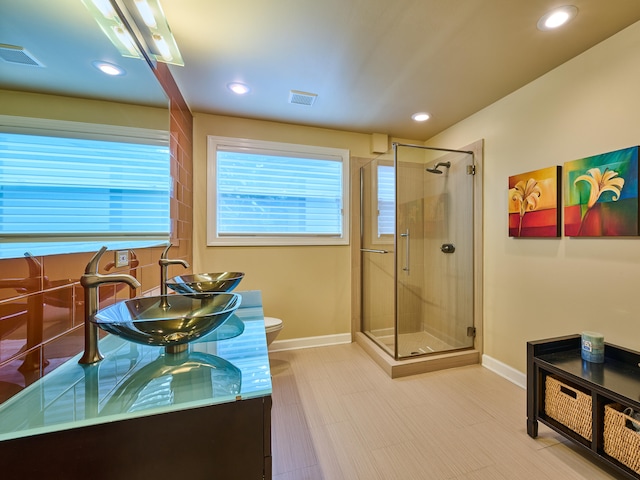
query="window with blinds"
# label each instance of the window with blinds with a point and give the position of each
(60, 194)
(266, 193)
(386, 200)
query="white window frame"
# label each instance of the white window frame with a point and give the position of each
(214, 239)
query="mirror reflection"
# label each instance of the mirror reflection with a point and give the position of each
(50, 82)
(52, 48)
(169, 379)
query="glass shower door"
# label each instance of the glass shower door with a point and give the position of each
(434, 242)
(377, 252)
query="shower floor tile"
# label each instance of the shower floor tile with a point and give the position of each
(415, 343)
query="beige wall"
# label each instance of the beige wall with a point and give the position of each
(535, 288)
(532, 288)
(38, 105)
(310, 288)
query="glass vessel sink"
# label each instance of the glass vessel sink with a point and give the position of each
(170, 321)
(231, 328)
(205, 282)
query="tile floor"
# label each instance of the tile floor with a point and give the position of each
(337, 416)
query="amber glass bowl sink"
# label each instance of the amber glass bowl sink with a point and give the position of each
(167, 320)
(205, 282)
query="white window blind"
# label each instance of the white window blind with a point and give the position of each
(265, 193)
(386, 200)
(58, 189)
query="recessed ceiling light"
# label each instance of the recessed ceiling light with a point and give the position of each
(557, 17)
(421, 117)
(238, 88)
(109, 68)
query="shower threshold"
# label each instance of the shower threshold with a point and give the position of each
(417, 363)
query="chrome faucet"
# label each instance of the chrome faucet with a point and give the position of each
(91, 280)
(164, 263)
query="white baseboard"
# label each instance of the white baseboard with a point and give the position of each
(504, 370)
(309, 342)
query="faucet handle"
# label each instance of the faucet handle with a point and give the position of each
(92, 266)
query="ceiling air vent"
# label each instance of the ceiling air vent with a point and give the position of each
(15, 54)
(302, 98)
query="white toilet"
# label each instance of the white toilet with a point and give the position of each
(272, 326)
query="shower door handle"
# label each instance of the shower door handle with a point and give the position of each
(406, 251)
(370, 250)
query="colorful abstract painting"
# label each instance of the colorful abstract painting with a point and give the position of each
(601, 195)
(534, 203)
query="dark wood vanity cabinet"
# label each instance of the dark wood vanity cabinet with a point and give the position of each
(143, 413)
(583, 401)
(227, 441)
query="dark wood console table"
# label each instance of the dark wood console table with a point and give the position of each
(616, 381)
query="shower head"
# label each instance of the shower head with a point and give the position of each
(439, 164)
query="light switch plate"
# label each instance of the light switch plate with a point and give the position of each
(122, 258)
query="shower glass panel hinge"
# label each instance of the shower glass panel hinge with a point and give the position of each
(471, 331)
(471, 169)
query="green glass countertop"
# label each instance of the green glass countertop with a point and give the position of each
(228, 365)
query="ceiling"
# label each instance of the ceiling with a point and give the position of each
(372, 63)
(64, 39)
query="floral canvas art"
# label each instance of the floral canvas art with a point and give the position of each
(534, 203)
(601, 195)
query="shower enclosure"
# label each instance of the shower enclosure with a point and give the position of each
(417, 250)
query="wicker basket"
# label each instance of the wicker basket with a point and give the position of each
(620, 441)
(569, 406)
